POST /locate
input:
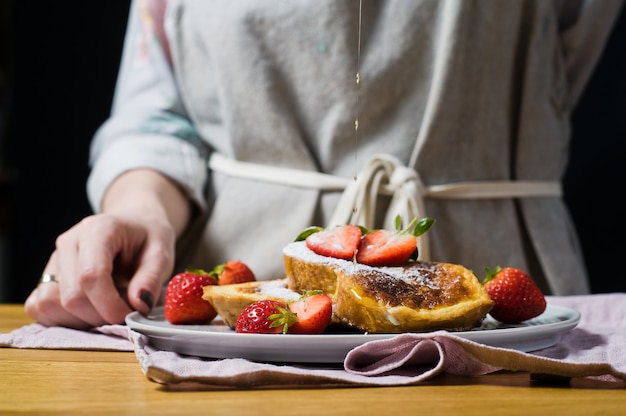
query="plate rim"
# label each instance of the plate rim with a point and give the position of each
(182, 338)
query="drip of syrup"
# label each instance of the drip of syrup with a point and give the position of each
(357, 79)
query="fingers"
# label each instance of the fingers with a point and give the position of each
(106, 267)
(155, 266)
(143, 255)
(89, 258)
(44, 305)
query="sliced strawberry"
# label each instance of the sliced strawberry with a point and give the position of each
(183, 298)
(313, 314)
(340, 242)
(265, 317)
(386, 248)
(392, 248)
(231, 272)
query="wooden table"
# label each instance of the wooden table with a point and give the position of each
(91, 382)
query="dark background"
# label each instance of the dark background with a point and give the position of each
(64, 62)
(59, 65)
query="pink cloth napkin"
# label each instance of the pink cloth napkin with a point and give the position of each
(103, 338)
(596, 348)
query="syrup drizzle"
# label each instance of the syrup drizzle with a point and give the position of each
(357, 79)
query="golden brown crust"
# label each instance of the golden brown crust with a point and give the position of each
(303, 275)
(450, 297)
(416, 297)
(423, 286)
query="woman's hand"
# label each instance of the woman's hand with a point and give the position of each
(105, 266)
(112, 263)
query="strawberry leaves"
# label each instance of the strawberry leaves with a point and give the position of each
(282, 318)
(307, 232)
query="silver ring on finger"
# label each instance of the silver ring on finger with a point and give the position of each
(48, 277)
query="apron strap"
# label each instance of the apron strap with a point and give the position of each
(384, 175)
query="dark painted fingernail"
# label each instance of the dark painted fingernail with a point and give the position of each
(147, 298)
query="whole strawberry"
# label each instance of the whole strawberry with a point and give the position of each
(183, 298)
(516, 296)
(231, 272)
(265, 317)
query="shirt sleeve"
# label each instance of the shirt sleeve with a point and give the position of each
(148, 126)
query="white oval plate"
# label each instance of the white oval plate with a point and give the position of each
(217, 340)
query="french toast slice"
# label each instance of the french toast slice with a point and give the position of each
(306, 270)
(230, 300)
(416, 297)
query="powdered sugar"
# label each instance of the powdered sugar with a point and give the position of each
(300, 251)
(278, 289)
(417, 271)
